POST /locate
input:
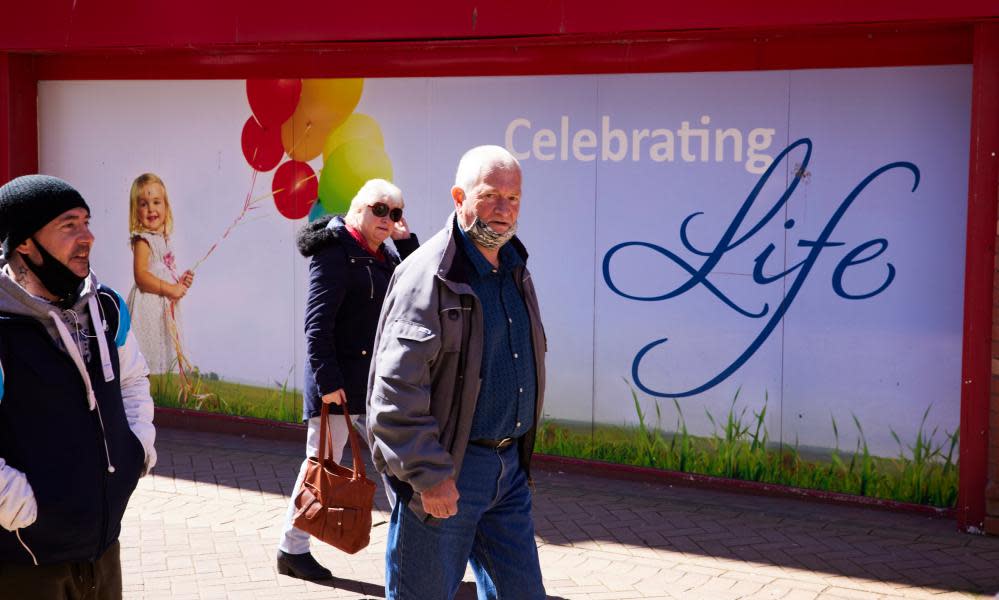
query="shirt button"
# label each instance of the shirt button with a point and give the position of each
(521, 390)
(510, 320)
(518, 423)
(364, 352)
(515, 355)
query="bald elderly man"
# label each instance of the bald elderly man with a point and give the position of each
(454, 397)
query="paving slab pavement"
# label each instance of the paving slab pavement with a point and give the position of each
(206, 523)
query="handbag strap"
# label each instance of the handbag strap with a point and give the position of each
(325, 438)
(326, 441)
(355, 448)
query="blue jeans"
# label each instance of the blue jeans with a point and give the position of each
(493, 531)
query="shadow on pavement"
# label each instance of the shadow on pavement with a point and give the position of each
(368, 590)
(662, 521)
(466, 591)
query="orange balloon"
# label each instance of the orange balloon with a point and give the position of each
(324, 105)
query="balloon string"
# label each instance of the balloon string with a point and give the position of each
(314, 175)
(249, 203)
(187, 390)
(305, 134)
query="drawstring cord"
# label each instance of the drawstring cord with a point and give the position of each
(73, 349)
(103, 318)
(104, 438)
(102, 340)
(80, 333)
(17, 532)
(99, 323)
(74, 354)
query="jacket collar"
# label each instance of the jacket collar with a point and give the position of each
(338, 231)
(455, 265)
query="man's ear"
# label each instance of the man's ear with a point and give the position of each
(25, 247)
(458, 195)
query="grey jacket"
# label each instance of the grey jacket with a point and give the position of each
(424, 380)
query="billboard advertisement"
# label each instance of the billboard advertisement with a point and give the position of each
(755, 275)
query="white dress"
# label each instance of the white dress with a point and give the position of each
(151, 320)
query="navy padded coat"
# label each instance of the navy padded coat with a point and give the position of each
(346, 289)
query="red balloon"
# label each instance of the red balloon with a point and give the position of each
(261, 145)
(295, 188)
(273, 100)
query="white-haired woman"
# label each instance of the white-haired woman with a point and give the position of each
(349, 271)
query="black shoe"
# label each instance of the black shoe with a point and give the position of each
(302, 566)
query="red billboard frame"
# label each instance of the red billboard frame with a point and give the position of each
(694, 42)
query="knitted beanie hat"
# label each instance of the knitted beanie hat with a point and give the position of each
(28, 203)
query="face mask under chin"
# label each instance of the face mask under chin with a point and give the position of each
(57, 278)
(484, 235)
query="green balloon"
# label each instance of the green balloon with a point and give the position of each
(350, 165)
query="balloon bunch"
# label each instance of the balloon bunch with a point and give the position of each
(305, 119)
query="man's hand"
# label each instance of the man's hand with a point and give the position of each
(441, 501)
(338, 397)
(17, 500)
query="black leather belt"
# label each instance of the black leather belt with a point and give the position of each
(494, 444)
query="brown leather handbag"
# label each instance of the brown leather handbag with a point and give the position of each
(334, 503)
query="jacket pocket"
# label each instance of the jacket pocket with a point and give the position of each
(408, 330)
(406, 351)
(138, 450)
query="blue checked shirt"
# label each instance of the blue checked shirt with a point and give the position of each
(505, 406)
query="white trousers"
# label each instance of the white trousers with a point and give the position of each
(294, 540)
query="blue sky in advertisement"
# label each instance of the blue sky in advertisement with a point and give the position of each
(827, 283)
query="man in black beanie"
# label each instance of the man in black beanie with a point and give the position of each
(70, 454)
(29, 204)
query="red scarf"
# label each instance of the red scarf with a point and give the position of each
(363, 243)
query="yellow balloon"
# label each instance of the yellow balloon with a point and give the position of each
(323, 106)
(352, 164)
(358, 126)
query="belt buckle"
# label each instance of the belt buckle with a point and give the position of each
(503, 443)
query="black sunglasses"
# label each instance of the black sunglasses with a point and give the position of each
(380, 209)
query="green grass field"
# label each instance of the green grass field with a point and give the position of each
(924, 472)
(279, 403)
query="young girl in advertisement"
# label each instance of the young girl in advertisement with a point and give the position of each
(153, 299)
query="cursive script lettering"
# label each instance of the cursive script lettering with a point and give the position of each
(699, 276)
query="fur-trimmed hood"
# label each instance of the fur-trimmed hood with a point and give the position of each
(317, 235)
(332, 229)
